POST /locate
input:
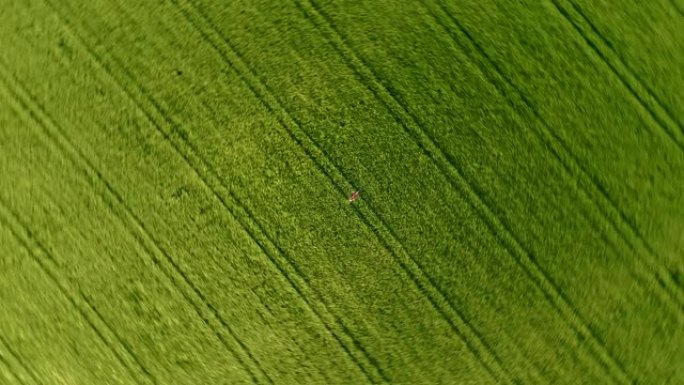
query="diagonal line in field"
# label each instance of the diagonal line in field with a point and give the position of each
(31, 244)
(115, 203)
(660, 115)
(289, 269)
(551, 290)
(590, 187)
(677, 7)
(15, 356)
(210, 179)
(602, 48)
(9, 371)
(600, 197)
(446, 165)
(410, 268)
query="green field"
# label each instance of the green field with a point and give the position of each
(174, 177)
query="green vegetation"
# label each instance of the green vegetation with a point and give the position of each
(174, 176)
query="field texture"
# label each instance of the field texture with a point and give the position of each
(174, 177)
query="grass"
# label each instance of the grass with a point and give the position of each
(174, 182)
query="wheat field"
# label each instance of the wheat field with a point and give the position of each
(175, 175)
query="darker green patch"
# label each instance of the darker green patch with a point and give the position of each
(64, 48)
(678, 277)
(177, 130)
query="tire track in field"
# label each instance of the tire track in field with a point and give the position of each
(45, 261)
(210, 316)
(205, 173)
(410, 269)
(474, 340)
(677, 7)
(409, 122)
(562, 304)
(272, 105)
(498, 226)
(279, 259)
(4, 346)
(591, 187)
(602, 48)
(660, 114)
(9, 372)
(277, 256)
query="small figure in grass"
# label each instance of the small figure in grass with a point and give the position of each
(355, 195)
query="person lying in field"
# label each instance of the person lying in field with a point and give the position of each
(355, 195)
